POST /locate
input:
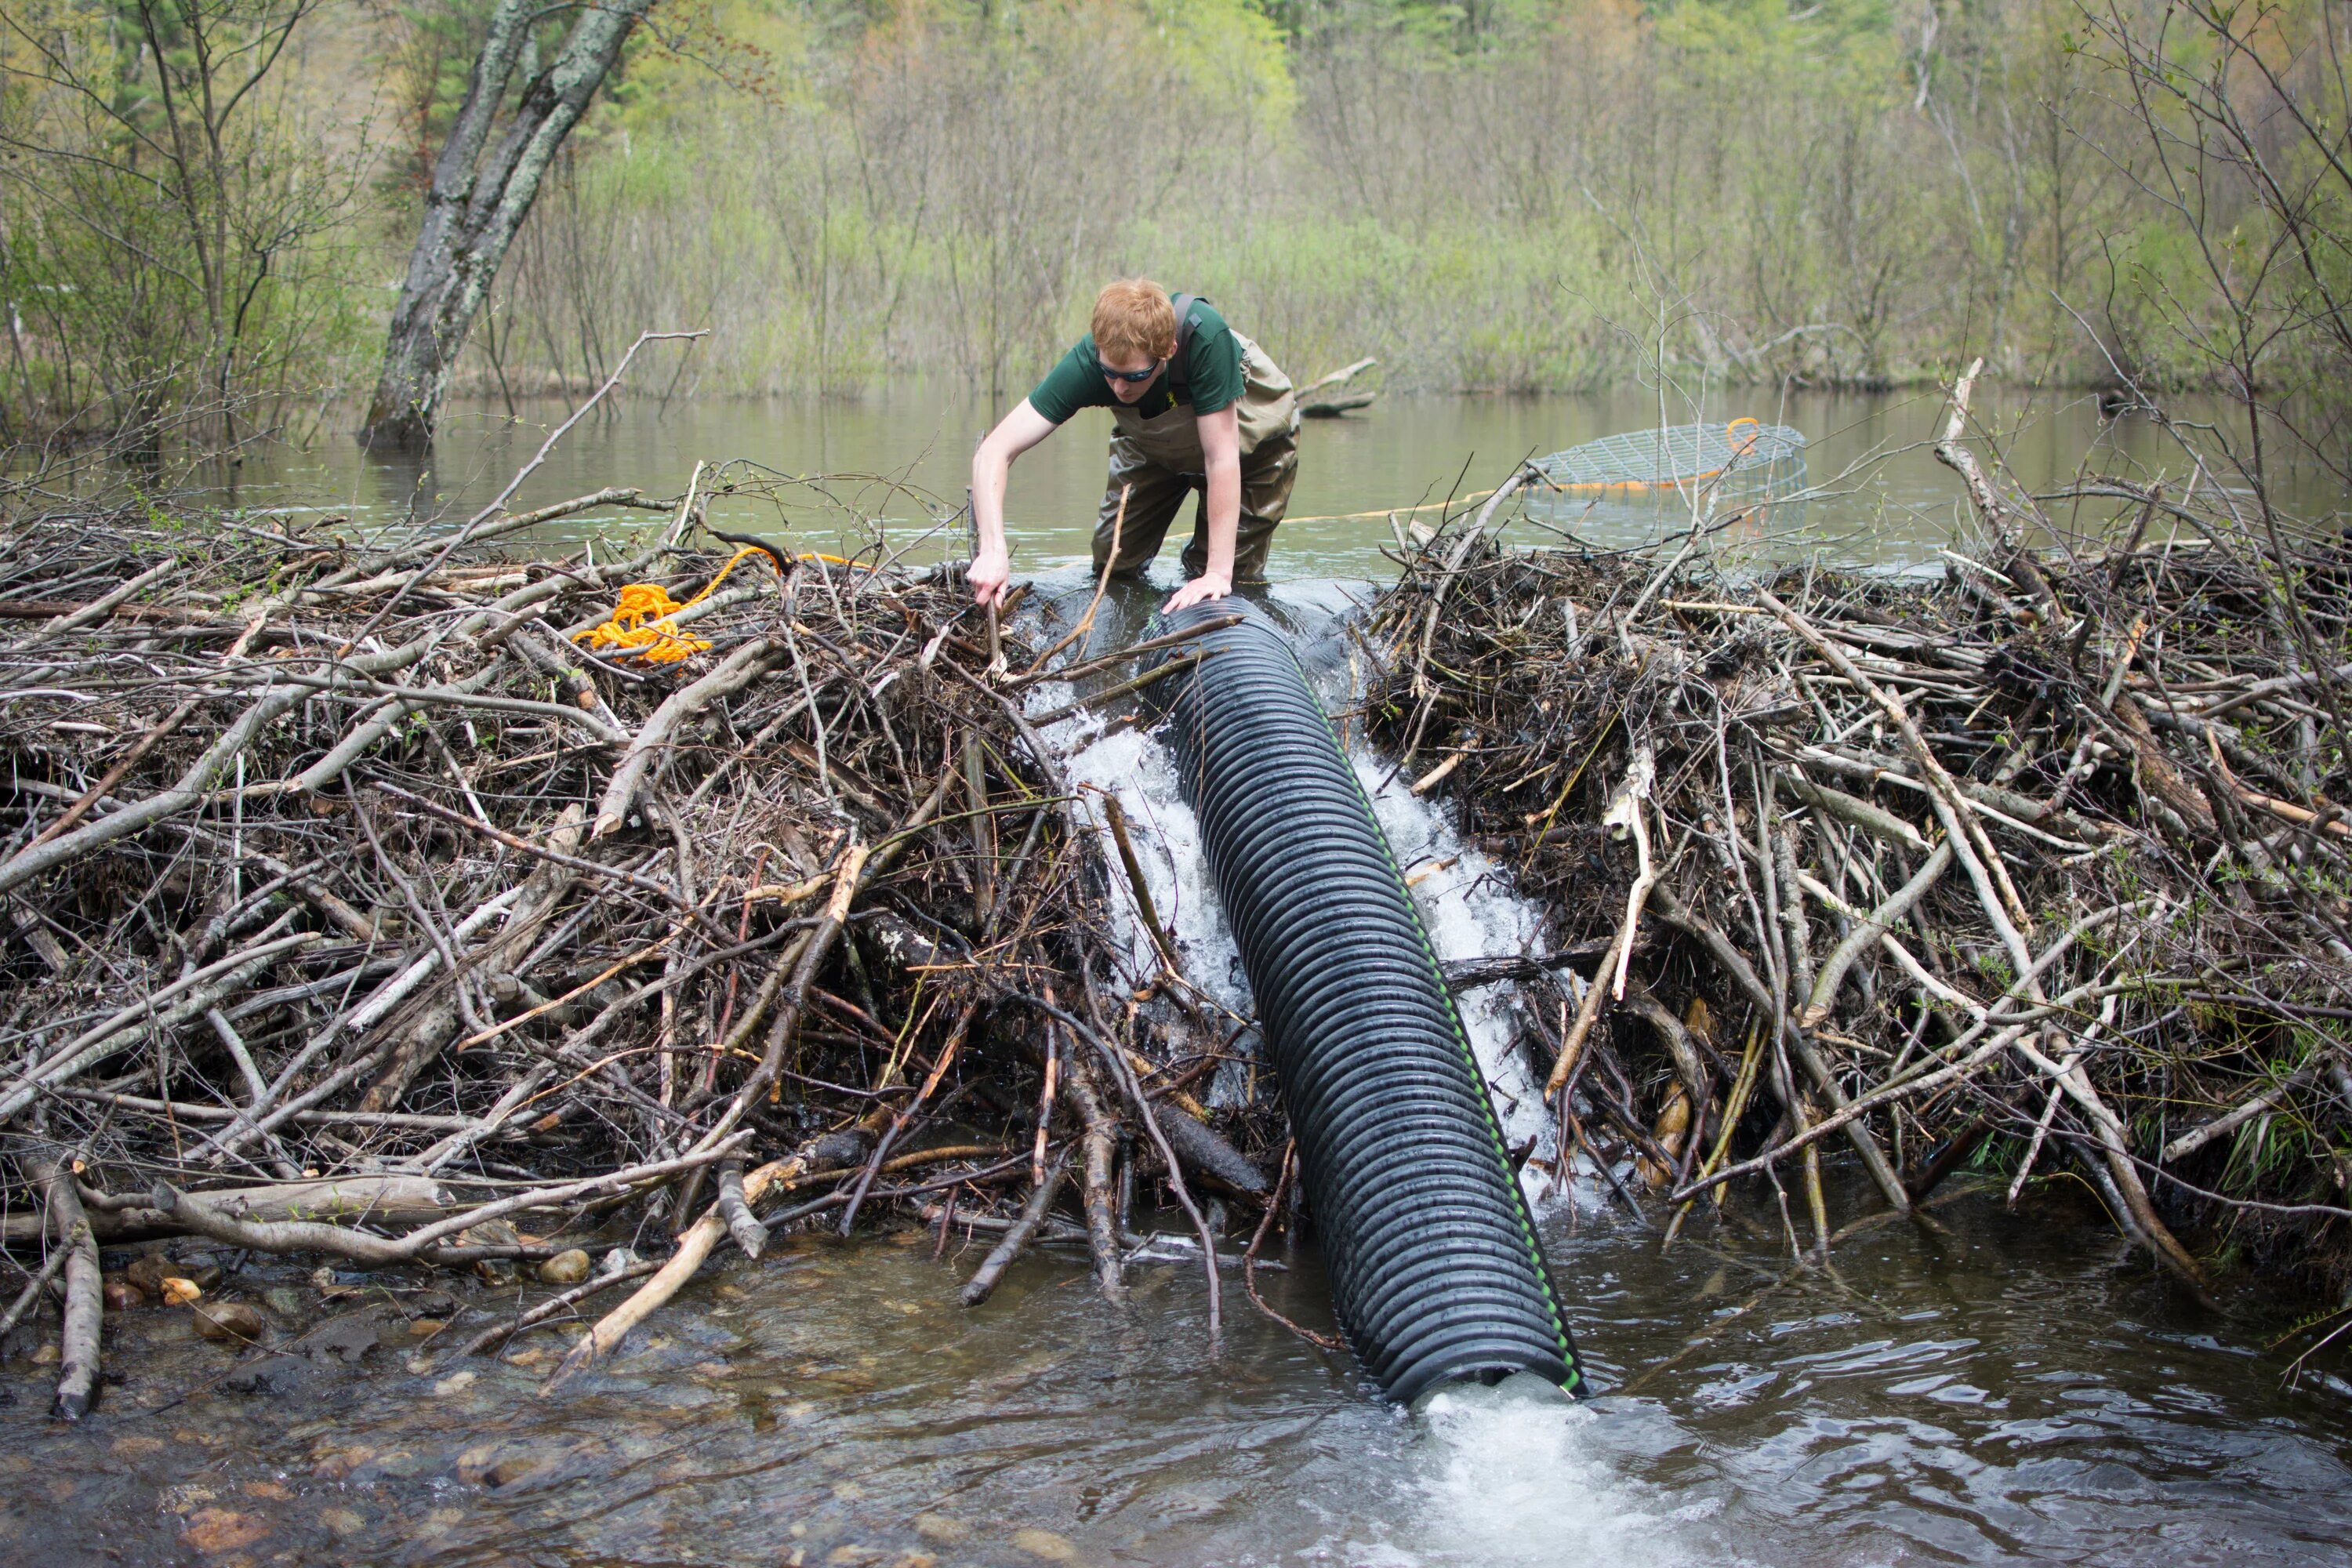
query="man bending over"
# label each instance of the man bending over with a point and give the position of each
(1197, 407)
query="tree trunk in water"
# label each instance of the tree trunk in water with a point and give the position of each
(477, 202)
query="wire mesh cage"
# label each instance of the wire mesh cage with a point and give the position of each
(1744, 460)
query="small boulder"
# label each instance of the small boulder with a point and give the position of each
(229, 1322)
(147, 1272)
(121, 1295)
(565, 1268)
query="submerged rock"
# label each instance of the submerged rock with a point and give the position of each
(277, 1373)
(228, 1321)
(564, 1268)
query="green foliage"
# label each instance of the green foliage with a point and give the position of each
(1504, 194)
(179, 241)
(1492, 196)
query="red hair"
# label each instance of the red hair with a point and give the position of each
(1133, 320)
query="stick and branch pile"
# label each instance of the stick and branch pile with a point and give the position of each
(353, 900)
(2041, 869)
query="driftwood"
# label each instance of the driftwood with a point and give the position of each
(1017, 1236)
(85, 1306)
(1324, 397)
(693, 1245)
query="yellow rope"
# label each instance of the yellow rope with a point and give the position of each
(641, 622)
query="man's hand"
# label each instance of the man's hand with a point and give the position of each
(1199, 590)
(991, 571)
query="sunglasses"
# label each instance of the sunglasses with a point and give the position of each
(1132, 377)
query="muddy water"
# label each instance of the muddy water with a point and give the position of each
(1972, 1387)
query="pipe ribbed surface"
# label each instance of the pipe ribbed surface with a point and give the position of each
(1436, 1268)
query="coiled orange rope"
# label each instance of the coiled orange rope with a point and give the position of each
(641, 622)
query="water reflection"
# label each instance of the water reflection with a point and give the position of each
(1880, 496)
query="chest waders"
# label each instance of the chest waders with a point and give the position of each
(1157, 462)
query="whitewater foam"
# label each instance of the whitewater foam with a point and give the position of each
(1465, 901)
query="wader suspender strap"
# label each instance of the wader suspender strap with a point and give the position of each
(1180, 382)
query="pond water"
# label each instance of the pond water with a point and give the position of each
(1878, 494)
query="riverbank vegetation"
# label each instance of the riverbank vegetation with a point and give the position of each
(206, 204)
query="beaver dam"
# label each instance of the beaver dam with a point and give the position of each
(430, 912)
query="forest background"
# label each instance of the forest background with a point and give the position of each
(1507, 196)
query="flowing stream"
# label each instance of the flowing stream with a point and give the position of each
(1975, 1386)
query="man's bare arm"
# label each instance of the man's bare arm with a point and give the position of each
(1015, 434)
(1221, 445)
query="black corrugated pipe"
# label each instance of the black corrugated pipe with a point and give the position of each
(1434, 1265)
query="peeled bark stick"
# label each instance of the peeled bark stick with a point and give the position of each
(389, 1198)
(2229, 1122)
(69, 1229)
(1963, 462)
(98, 609)
(693, 1245)
(2019, 565)
(1866, 932)
(1588, 1011)
(1796, 932)
(737, 671)
(1016, 1240)
(1871, 820)
(983, 828)
(736, 1210)
(551, 1306)
(310, 1235)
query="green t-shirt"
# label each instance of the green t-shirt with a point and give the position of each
(1207, 375)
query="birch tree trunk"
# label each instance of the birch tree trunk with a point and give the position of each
(482, 190)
